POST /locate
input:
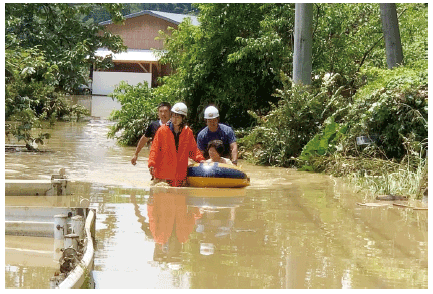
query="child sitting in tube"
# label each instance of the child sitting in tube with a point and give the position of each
(215, 148)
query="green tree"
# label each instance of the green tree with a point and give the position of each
(66, 41)
(29, 83)
(349, 36)
(348, 51)
(346, 37)
(235, 56)
(413, 26)
(139, 107)
(232, 59)
(48, 53)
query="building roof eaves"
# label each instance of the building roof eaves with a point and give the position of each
(130, 55)
(159, 14)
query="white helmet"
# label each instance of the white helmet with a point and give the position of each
(211, 112)
(180, 108)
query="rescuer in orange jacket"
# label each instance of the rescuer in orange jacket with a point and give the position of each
(173, 144)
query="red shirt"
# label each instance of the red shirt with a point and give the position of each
(168, 163)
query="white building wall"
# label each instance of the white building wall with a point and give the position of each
(104, 83)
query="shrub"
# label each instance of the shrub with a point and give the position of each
(23, 122)
(393, 106)
(323, 144)
(31, 96)
(139, 107)
(281, 134)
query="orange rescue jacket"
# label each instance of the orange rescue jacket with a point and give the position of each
(168, 163)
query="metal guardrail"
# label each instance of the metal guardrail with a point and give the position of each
(73, 229)
(78, 276)
(35, 221)
(57, 186)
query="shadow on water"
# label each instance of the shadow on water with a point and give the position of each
(289, 229)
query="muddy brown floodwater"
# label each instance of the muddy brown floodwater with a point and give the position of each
(289, 229)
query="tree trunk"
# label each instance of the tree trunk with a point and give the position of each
(302, 63)
(391, 33)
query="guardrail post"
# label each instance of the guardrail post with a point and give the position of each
(78, 225)
(71, 240)
(60, 230)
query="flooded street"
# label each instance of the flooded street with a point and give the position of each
(289, 229)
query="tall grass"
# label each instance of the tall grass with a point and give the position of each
(404, 180)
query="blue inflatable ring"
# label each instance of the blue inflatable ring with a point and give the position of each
(215, 174)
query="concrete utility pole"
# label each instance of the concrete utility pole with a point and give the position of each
(302, 60)
(391, 34)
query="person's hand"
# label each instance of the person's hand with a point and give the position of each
(151, 171)
(134, 160)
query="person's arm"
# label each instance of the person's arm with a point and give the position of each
(200, 147)
(200, 144)
(195, 153)
(234, 152)
(153, 153)
(233, 145)
(143, 141)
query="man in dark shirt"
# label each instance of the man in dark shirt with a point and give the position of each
(217, 131)
(164, 116)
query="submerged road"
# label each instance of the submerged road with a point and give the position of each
(288, 230)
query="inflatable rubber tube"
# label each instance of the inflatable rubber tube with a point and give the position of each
(217, 175)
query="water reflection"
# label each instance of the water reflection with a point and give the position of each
(217, 219)
(23, 277)
(29, 262)
(247, 241)
(170, 223)
(98, 106)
